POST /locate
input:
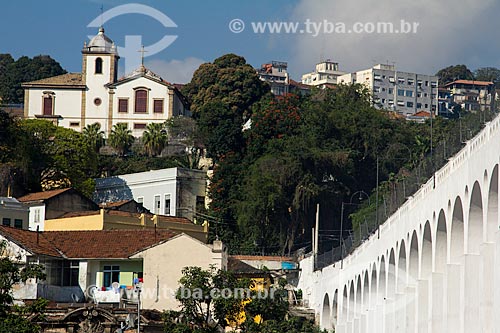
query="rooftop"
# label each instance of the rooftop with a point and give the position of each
(68, 80)
(470, 82)
(93, 244)
(38, 196)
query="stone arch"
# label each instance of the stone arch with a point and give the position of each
(475, 223)
(426, 253)
(457, 231)
(401, 271)
(373, 285)
(343, 312)
(382, 278)
(441, 244)
(358, 300)
(413, 258)
(351, 302)
(334, 312)
(492, 223)
(325, 314)
(391, 275)
(366, 292)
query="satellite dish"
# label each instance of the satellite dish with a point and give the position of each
(75, 298)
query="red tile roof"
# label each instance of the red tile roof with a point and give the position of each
(30, 241)
(471, 82)
(94, 244)
(42, 195)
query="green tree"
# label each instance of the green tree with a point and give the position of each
(452, 73)
(487, 74)
(94, 137)
(121, 138)
(221, 95)
(155, 138)
(16, 318)
(22, 70)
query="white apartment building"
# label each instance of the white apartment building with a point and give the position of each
(276, 74)
(403, 92)
(325, 73)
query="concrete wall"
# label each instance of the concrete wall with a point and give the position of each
(163, 266)
(436, 263)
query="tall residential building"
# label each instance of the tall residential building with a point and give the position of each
(325, 73)
(403, 92)
(275, 73)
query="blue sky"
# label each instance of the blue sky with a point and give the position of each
(448, 33)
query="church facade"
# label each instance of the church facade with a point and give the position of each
(97, 95)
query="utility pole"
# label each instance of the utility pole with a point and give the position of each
(376, 205)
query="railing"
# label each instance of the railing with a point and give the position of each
(430, 171)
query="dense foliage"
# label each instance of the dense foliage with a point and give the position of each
(14, 72)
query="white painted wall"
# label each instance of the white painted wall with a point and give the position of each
(163, 266)
(67, 104)
(36, 211)
(460, 293)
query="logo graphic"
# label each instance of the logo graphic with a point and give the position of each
(133, 43)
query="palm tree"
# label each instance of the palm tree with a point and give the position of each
(154, 138)
(121, 138)
(94, 136)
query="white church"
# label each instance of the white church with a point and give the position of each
(75, 100)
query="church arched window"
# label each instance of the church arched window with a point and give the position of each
(141, 101)
(98, 66)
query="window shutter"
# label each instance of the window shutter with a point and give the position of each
(123, 105)
(141, 101)
(47, 106)
(158, 106)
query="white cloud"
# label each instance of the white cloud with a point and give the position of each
(175, 71)
(449, 32)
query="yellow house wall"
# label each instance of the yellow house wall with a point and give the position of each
(90, 222)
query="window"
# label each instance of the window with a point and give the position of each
(200, 204)
(419, 105)
(401, 103)
(139, 125)
(111, 274)
(157, 204)
(409, 93)
(6, 221)
(426, 106)
(409, 104)
(18, 223)
(140, 200)
(98, 66)
(74, 124)
(97, 101)
(167, 204)
(410, 82)
(158, 106)
(123, 105)
(434, 84)
(48, 105)
(391, 79)
(70, 271)
(426, 83)
(141, 101)
(401, 92)
(36, 218)
(419, 94)
(401, 81)
(391, 91)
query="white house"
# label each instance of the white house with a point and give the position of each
(174, 191)
(75, 100)
(325, 73)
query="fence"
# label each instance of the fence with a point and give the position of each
(396, 190)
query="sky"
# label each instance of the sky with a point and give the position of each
(449, 32)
